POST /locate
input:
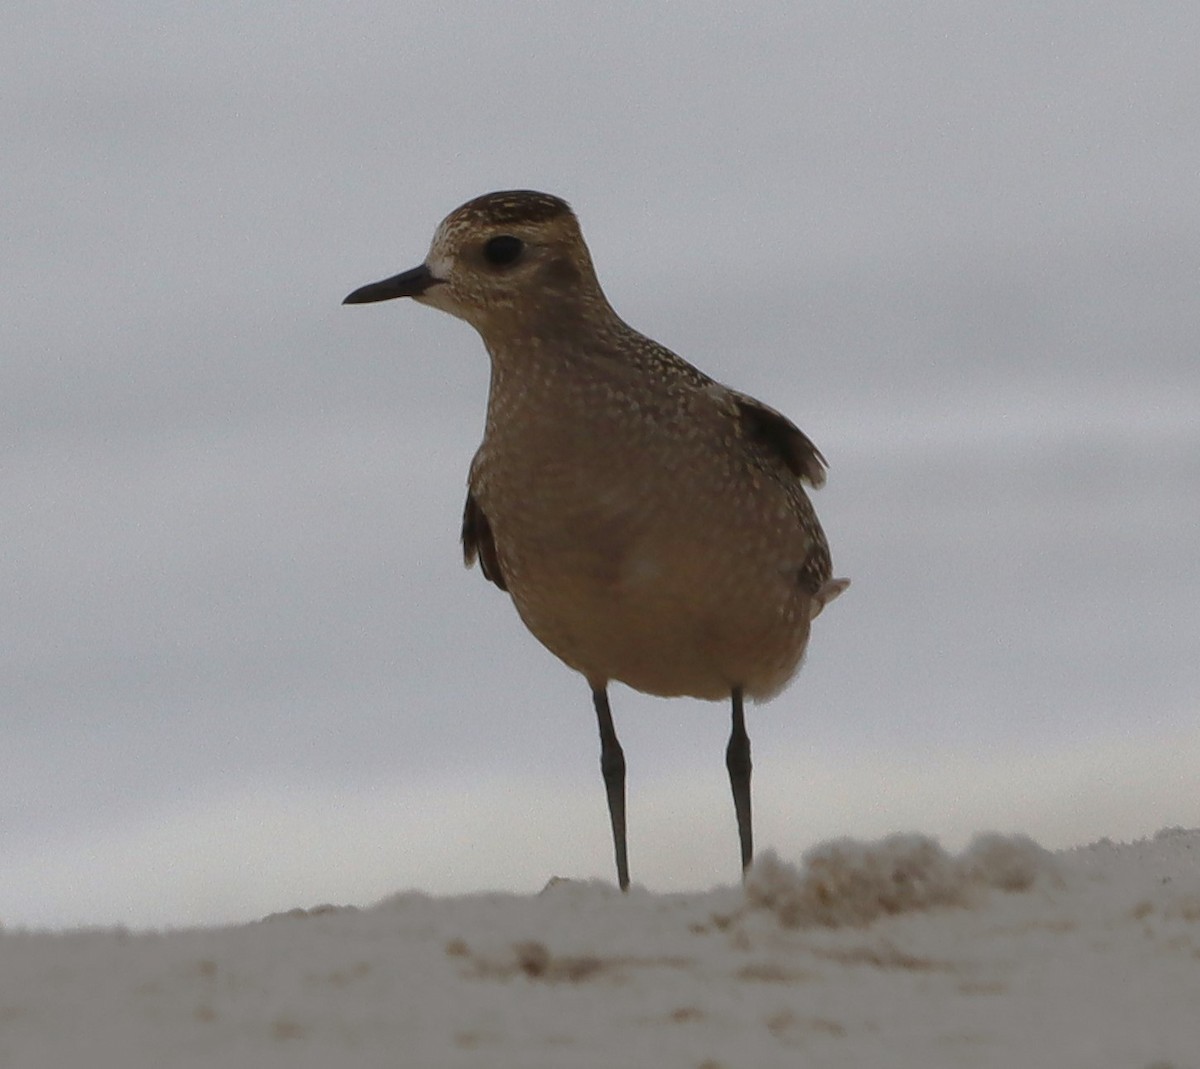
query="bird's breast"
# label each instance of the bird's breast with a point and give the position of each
(642, 582)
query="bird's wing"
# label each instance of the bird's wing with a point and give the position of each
(477, 542)
(781, 436)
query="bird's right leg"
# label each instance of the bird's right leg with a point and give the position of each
(737, 761)
(612, 765)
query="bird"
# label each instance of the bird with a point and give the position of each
(650, 524)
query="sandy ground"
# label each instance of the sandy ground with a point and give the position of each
(893, 953)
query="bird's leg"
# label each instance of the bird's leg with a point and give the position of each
(612, 764)
(737, 760)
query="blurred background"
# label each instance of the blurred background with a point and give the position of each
(241, 666)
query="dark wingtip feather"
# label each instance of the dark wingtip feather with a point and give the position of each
(774, 430)
(478, 543)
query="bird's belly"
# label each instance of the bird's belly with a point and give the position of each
(667, 619)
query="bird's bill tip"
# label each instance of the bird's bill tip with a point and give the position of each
(406, 284)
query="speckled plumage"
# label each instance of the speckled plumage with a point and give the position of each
(650, 524)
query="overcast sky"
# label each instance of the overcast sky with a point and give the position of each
(241, 665)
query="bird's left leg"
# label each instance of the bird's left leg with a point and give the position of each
(612, 765)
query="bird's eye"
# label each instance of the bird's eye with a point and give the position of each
(503, 250)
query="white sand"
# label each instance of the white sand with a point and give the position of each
(891, 954)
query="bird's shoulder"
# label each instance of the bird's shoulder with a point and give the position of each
(770, 433)
(689, 391)
(767, 430)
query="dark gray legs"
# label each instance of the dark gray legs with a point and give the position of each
(737, 760)
(612, 765)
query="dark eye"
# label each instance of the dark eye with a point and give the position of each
(503, 250)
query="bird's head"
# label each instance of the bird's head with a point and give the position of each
(501, 261)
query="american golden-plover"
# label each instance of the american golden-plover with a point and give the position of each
(649, 524)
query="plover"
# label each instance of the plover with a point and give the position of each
(650, 524)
